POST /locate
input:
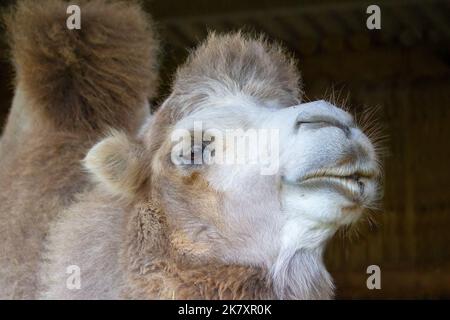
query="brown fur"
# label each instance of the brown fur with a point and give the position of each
(86, 79)
(235, 64)
(170, 276)
(76, 229)
(71, 86)
(35, 183)
(119, 164)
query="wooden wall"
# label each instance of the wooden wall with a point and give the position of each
(410, 243)
(402, 69)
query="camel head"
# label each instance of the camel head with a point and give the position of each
(245, 173)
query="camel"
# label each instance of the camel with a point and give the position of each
(154, 228)
(151, 222)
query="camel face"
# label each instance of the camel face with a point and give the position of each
(309, 171)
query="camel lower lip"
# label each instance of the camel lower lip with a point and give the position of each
(352, 185)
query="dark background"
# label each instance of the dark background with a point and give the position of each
(402, 68)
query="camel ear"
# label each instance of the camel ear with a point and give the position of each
(118, 164)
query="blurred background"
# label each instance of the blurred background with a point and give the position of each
(403, 69)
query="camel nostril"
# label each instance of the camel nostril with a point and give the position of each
(299, 123)
(319, 123)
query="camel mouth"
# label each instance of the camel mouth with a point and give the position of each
(349, 172)
(353, 186)
(351, 182)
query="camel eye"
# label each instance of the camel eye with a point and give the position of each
(187, 153)
(197, 154)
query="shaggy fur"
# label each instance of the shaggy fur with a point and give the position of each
(123, 252)
(70, 86)
(156, 268)
(71, 233)
(87, 79)
(235, 64)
